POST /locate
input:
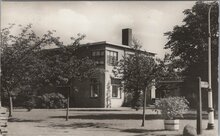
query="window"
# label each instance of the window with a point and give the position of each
(102, 53)
(112, 57)
(99, 62)
(98, 57)
(94, 92)
(116, 90)
(98, 53)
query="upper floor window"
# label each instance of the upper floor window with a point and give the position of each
(112, 57)
(100, 62)
(98, 57)
(98, 53)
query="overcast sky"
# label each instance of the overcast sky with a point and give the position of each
(100, 20)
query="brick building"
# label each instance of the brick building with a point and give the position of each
(103, 90)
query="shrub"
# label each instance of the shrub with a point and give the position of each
(30, 104)
(25, 100)
(127, 100)
(172, 107)
(136, 101)
(52, 100)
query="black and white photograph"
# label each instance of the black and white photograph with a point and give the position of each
(109, 68)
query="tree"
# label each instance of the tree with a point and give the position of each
(137, 73)
(63, 67)
(25, 62)
(188, 43)
(168, 70)
(19, 60)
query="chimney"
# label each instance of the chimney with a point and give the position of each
(127, 36)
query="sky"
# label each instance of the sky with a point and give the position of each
(100, 20)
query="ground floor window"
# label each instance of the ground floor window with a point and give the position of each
(94, 88)
(116, 91)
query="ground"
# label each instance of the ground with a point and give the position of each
(95, 122)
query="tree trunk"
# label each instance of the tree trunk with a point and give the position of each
(11, 106)
(0, 98)
(68, 103)
(144, 106)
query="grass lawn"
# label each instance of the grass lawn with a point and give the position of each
(95, 122)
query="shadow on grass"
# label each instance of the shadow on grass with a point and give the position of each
(94, 110)
(141, 130)
(194, 116)
(158, 135)
(22, 120)
(145, 132)
(79, 125)
(113, 116)
(119, 116)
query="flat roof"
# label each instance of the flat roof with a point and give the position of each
(104, 43)
(112, 44)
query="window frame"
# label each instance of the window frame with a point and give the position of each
(112, 57)
(98, 56)
(98, 53)
(94, 83)
(116, 83)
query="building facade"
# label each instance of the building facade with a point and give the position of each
(103, 89)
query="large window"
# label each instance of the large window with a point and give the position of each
(98, 53)
(112, 57)
(94, 92)
(99, 62)
(98, 57)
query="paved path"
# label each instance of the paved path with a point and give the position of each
(93, 122)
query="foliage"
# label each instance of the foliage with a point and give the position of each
(137, 72)
(19, 58)
(26, 61)
(136, 101)
(21, 98)
(172, 107)
(68, 67)
(168, 69)
(52, 100)
(188, 42)
(108, 96)
(30, 103)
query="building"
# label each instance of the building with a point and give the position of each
(103, 90)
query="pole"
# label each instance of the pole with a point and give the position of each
(210, 103)
(68, 101)
(199, 107)
(144, 106)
